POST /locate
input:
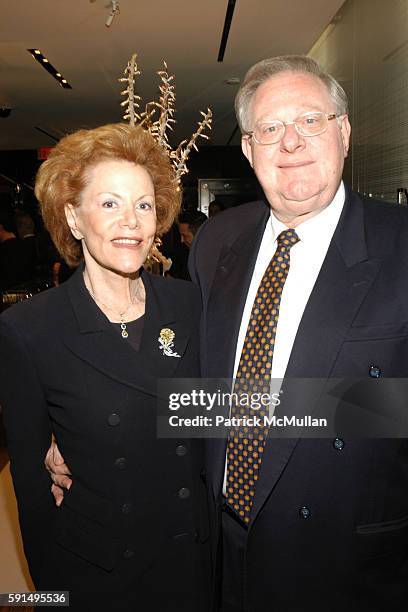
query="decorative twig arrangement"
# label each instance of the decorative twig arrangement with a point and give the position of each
(160, 127)
(132, 100)
(180, 156)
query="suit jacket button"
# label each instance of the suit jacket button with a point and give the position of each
(113, 419)
(338, 443)
(121, 463)
(128, 554)
(181, 450)
(304, 512)
(127, 508)
(374, 372)
(184, 493)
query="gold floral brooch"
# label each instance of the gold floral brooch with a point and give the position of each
(166, 342)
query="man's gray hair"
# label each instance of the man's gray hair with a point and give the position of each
(263, 70)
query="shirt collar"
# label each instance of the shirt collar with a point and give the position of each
(322, 224)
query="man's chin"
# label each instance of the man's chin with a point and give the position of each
(301, 195)
(291, 207)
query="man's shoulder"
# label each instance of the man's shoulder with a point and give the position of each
(385, 225)
(381, 209)
(384, 217)
(236, 218)
(225, 228)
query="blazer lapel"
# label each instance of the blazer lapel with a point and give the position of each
(228, 295)
(100, 345)
(344, 280)
(225, 307)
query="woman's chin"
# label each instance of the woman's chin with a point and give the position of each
(128, 269)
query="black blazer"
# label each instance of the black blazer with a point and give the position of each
(133, 525)
(349, 548)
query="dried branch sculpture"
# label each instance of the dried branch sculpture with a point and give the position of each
(131, 103)
(165, 108)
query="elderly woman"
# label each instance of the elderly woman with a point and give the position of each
(81, 362)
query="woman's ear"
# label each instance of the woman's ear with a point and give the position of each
(72, 220)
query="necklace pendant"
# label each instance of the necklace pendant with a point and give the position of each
(124, 330)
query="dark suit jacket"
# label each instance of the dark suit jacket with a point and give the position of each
(133, 525)
(349, 549)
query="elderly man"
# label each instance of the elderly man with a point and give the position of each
(309, 284)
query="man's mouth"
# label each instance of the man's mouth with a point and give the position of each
(295, 165)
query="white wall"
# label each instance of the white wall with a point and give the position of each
(366, 48)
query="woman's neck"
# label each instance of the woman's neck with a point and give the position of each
(116, 295)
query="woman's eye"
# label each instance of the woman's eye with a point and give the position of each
(145, 206)
(109, 204)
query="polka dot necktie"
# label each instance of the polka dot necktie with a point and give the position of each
(246, 444)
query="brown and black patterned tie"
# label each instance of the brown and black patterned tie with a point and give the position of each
(246, 445)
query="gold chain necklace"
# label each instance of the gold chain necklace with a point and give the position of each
(121, 315)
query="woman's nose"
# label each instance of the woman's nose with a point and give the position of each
(129, 217)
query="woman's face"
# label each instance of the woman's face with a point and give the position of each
(116, 218)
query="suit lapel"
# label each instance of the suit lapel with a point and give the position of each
(228, 295)
(101, 346)
(225, 307)
(344, 280)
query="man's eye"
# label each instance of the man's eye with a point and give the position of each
(311, 120)
(269, 128)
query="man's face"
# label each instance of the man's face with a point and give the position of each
(186, 235)
(299, 175)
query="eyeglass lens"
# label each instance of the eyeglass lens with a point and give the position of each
(310, 124)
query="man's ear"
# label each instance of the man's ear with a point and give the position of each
(72, 219)
(345, 134)
(246, 148)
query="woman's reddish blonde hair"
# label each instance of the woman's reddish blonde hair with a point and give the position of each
(62, 178)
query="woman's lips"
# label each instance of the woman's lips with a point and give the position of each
(127, 243)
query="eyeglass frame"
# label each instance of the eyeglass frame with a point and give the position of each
(329, 117)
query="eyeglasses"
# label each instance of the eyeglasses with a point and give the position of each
(309, 124)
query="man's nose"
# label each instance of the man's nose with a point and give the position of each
(291, 140)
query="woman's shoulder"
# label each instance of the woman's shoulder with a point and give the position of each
(36, 312)
(179, 291)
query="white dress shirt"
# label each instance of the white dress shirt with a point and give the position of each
(306, 259)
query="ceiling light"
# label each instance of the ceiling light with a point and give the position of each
(45, 63)
(113, 12)
(225, 32)
(233, 81)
